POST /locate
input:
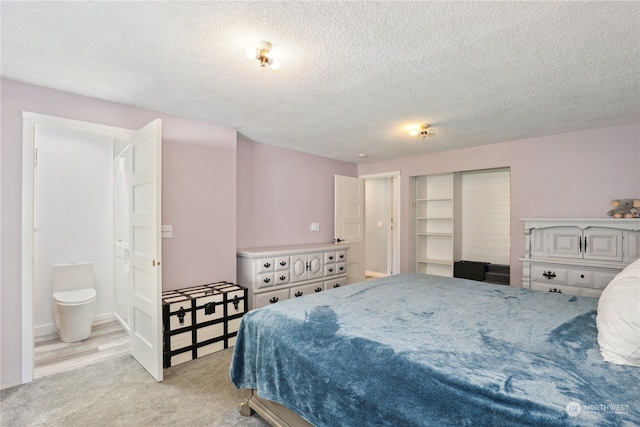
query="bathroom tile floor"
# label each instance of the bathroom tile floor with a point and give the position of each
(51, 355)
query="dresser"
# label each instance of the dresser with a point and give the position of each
(577, 256)
(275, 274)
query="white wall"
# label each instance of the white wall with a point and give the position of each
(73, 213)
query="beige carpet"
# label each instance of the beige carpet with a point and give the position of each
(119, 392)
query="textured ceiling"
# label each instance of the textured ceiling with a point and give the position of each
(353, 74)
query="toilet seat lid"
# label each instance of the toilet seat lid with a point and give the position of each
(74, 297)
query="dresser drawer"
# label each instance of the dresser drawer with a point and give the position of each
(298, 291)
(265, 280)
(264, 264)
(330, 270)
(330, 284)
(329, 257)
(281, 263)
(341, 268)
(580, 278)
(281, 277)
(266, 298)
(602, 278)
(341, 256)
(560, 289)
(590, 279)
(549, 274)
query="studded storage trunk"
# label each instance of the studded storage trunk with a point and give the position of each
(201, 320)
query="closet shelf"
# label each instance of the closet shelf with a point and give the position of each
(436, 261)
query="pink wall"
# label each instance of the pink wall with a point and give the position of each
(280, 192)
(199, 201)
(199, 197)
(572, 175)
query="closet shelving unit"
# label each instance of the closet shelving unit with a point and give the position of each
(435, 224)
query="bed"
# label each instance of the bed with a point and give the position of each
(417, 350)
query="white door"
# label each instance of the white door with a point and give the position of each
(349, 223)
(145, 276)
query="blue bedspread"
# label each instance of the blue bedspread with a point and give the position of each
(418, 350)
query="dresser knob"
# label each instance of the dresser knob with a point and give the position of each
(267, 280)
(273, 300)
(318, 289)
(330, 257)
(298, 294)
(337, 285)
(582, 276)
(282, 277)
(283, 263)
(331, 270)
(267, 264)
(341, 268)
(341, 256)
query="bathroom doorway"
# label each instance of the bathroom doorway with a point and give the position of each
(73, 222)
(53, 232)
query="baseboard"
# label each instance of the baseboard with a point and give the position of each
(43, 332)
(122, 323)
(6, 386)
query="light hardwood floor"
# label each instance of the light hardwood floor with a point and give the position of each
(51, 355)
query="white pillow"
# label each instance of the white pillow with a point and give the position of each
(618, 318)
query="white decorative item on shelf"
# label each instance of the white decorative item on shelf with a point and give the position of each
(577, 256)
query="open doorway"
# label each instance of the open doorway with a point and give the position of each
(144, 224)
(74, 226)
(382, 227)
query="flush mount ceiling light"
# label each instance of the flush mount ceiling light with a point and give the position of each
(261, 53)
(420, 130)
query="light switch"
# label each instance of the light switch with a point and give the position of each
(166, 231)
(315, 226)
(379, 224)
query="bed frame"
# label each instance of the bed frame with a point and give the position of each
(273, 413)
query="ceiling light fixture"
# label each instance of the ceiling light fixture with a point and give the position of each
(423, 130)
(261, 53)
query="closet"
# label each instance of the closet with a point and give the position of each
(460, 216)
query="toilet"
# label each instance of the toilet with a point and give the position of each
(74, 300)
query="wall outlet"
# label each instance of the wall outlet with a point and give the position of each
(166, 231)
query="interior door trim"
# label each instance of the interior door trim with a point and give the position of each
(29, 122)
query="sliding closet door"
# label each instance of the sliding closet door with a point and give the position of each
(485, 211)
